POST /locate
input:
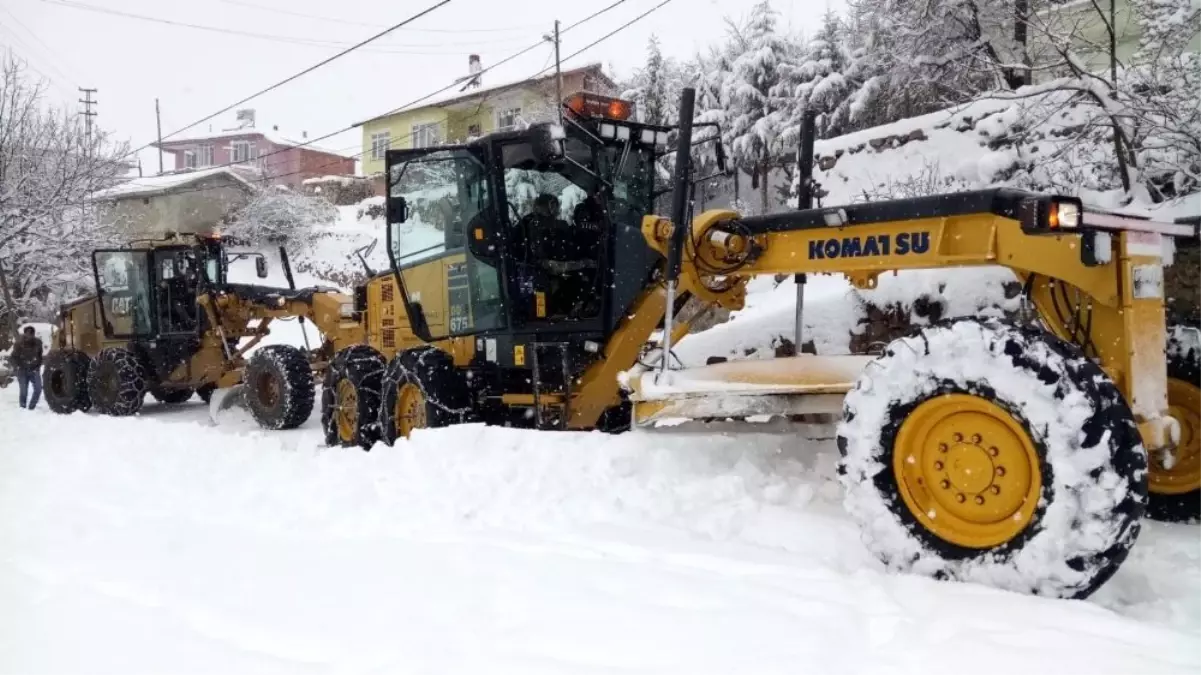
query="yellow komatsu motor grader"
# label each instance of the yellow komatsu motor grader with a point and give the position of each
(527, 278)
(166, 322)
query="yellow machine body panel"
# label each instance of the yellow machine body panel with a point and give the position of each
(1123, 290)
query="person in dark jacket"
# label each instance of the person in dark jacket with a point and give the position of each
(26, 360)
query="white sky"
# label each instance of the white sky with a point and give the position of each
(196, 72)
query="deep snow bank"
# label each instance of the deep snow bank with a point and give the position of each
(167, 545)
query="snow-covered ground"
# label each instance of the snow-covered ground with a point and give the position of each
(168, 544)
(165, 544)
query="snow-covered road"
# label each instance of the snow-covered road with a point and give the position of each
(164, 544)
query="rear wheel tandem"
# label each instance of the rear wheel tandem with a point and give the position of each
(117, 382)
(279, 388)
(422, 389)
(980, 451)
(65, 384)
(350, 397)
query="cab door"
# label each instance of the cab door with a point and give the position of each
(123, 287)
(442, 241)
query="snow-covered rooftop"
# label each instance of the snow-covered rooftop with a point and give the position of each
(156, 185)
(454, 95)
(271, 135)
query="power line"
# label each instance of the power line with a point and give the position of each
(606, 36)
(515, 55)
(49, 52)
(303, 72)
(286, 39)
(349, 22)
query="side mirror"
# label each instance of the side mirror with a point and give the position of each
(547, 142)
(720, 151)
(398, 210)
(260, 267)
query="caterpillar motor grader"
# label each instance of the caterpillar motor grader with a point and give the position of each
(529, 272)
(166, 321)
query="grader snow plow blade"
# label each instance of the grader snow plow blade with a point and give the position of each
(792, 386)
(224, 399)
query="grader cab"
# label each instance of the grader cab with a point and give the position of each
(166, 321)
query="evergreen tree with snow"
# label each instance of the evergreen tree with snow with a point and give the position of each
(755, 108)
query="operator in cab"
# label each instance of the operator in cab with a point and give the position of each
(566, 254)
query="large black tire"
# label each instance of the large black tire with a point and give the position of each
(279, 387)
(444, 397)
(117, 382)
(352, 381)
(205, 393)
(1184, 403)
(171, 396)
(65, 381)
(1057, 522)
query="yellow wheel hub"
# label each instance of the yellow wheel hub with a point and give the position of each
(347, 415)
(1178, 470)
(967, 471)
(410, 409)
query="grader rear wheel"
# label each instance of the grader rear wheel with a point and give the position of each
(117, 382)
(422, 389)
(65, 382)
(966, 450)
(350, 397)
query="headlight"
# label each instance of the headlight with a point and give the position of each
(347, 310)
(1064, 215)
(623, 133)
(608, 130)
(648, 137)
(661, 138)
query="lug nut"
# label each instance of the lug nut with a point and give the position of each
(942, 447)
(938, 466)
(958, 437)
(996, 489)
(979, 500)
(960, 498)
(945, 484)
(1000, 471)
(993, 451)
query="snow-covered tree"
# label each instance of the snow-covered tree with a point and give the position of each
(279, 216)
(755, 108)
(49, 164)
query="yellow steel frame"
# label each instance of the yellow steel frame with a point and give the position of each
(1127, 329)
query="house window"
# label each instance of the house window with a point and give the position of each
(380, 143)
(506, 119)
(425, 135)
(473, 130)
(204, 155)
(242, 151)
(189, 159)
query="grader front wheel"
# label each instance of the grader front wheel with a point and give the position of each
(1175, 474)
(981, 451)
(279, 387)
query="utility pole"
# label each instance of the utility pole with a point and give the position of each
(88, 113)
(558, 75)
(558, 72)
(158, 121)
